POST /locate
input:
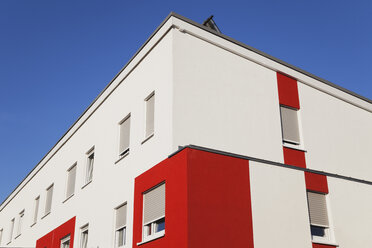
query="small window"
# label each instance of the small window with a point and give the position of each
(11, 230)
(1, 235)
(90, 163)
(124, 136)
(48, 201)
(20, 222)
(71, 178)
(150, 112)
(36, 209)
(318, 214)
(290, 129)
(84, 237)
(120, 225)
(65, 242)
(154, 212)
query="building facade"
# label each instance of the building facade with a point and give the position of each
(202, 141)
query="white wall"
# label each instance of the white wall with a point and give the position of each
(224, 101)
(279, 207)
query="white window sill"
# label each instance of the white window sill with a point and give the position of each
(65, 200)
(295, 147)
(147, 138)
(33, 224)
(325, 243)
(122, 156)
(86, 184)
(152, 238)
(45, 215)
(17, 236)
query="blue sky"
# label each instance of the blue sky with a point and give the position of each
(56, 56)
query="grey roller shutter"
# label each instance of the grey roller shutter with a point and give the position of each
(150, 110)
(290, 125)
(121, 216)
(48, 202)
(124, 135)
(154, 204)
(71, 181)
(317, 209)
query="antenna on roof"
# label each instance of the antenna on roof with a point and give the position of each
(210, 23)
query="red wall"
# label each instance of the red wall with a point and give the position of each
(207, 201)
(53, 238)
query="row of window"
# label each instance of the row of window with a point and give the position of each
(71, 172)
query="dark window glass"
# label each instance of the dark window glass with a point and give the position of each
(160, 225)
(318, 231)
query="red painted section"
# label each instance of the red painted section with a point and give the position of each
(316, 182)
(172, 171)
(294, 157)
(207, 201)
(219, 202)
(323, 246)
(288, 91)
(53, 238)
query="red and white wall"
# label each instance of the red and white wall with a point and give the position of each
(213, 93)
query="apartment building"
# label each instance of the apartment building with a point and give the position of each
(202, 141)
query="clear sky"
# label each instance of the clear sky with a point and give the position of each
(56, 56)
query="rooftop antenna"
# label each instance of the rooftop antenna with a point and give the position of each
(210, 23)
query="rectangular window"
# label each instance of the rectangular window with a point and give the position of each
(84, 237)
(1, 235)
(124, 136)
(290, 128)
(150, 112)
(90, 163)
(318, 214)
(71, 178)
(154, 212)
(36, 209)
(65, 242)
(120, 225)
(20, 222)
(48, 201)
(11, 230)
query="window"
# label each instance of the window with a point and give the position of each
(48, 201)
(154, 212)
(150, 110)
(84, 237)
(36, 209)
(318, 213)
(11, 230)
(124, 136)
(1, 235)
(290, 129)
(90, 163)
(120, 225)
(71, 178)
(20, 222)
(65, 242)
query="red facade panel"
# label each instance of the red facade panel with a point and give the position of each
(316, 182)
(288, 91)
(323, 246)
(294, 157)
(53, 238)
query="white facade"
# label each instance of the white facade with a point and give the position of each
(211, 92)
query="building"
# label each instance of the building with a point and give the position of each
(202, 141)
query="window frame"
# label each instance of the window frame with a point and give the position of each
(68, 196)
(36, 210)
(328, 237)
(289, 142)
(147, 136)
(123, 227)
(65, 239)
(20, 223)
(1, 235)
(125, 151)
(12, 224)
(46, 200)
(91, 152)
(84, 229)
(152, 223)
